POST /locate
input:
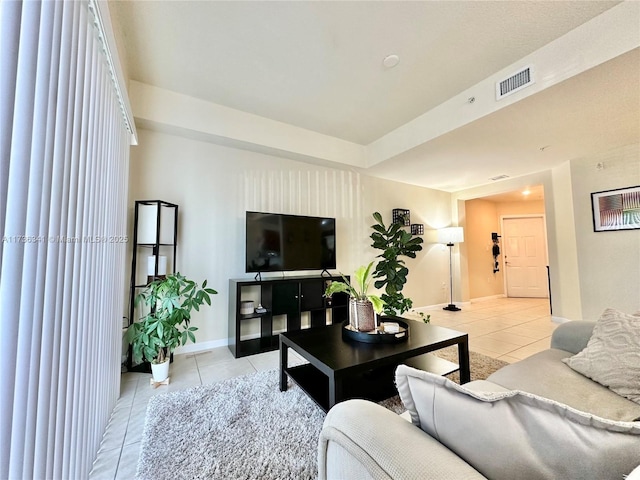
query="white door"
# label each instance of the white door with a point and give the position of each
(525, 257)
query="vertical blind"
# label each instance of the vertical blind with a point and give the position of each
(64, 155)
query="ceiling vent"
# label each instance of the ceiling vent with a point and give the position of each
(499, 177)
(514, 83)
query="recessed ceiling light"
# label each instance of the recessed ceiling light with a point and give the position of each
(526, 192)
(391, 61)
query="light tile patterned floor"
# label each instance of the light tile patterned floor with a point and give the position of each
(508, 329)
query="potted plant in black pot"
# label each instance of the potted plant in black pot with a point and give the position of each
(362, 305)
(167, 325)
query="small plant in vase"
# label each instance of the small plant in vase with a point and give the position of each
(167, 325)
(362, 305)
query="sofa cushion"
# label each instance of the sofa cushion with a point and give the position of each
(363, 440)
(536, 438)
(612, 356)
(572, 336)
(545, 375)
(485, 386)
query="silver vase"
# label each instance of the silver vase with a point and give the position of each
(361, 315)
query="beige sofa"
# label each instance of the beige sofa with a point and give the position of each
(534, 419)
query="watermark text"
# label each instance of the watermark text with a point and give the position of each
(65, 239)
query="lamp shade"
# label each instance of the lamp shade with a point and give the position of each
(151, 265)
(148, 221)
(451, 235)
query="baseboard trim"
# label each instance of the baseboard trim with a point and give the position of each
(559, 319)
(490, 297)
(439, 306)
(201, 346)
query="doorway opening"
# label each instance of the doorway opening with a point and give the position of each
(488, 274)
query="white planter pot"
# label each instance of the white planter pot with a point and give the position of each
(160, 371)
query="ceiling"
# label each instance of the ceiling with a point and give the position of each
(595, 111)
(528, 194)
(319, 66)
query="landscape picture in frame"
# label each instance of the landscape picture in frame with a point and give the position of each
(616, 209)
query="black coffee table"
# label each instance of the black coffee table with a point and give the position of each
(340, 369)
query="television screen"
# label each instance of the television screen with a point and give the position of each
(276, 242)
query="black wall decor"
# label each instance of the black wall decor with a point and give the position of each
(401, 216)
(495, 251)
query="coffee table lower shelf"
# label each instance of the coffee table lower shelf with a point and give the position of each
(313, 382)
(433, 364)
(375, 385)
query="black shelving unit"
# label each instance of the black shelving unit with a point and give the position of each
(285, 299)
(153, 243)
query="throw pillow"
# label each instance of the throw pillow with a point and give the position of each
(612, 356)
(534, 437)
(635, 474)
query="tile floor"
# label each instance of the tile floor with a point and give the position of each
(508, 329)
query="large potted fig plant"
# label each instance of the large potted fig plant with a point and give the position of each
(391, 271)
(362, 304)
(166, 326)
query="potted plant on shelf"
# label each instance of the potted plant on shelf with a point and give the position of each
(362, 305)
(391, 270)
(157, 334)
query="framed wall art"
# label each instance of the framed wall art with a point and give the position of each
(616, 209)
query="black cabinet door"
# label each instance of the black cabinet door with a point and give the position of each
(285, 298)
(311, 294)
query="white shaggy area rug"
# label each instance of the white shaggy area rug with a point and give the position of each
(241, 428)
(244, 428)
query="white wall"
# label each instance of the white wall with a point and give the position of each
(215, 185)
(565, 277)
(430, 268)
(609, 262)
(482, 219)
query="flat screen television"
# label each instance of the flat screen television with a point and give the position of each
(277, 242)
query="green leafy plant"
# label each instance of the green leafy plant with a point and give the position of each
(425, 318)
(166, 326)
(391, 271)
(358, 288)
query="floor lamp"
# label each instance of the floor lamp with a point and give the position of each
(451, 236)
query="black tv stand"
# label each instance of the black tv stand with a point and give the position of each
(258, 277)
(290, 304)
(328, 275)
